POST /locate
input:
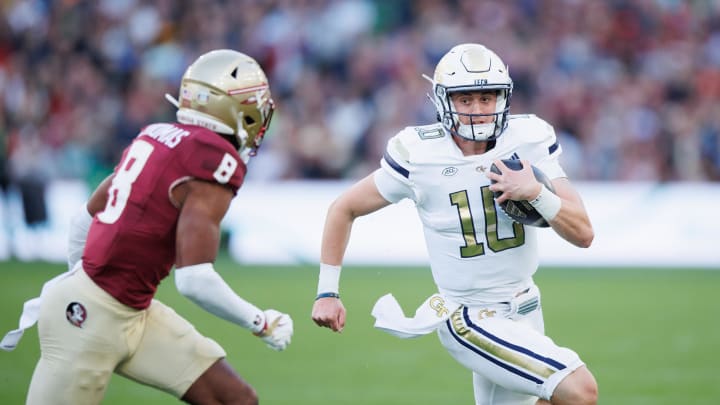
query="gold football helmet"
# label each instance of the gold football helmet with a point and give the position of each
(467, 68)
(227, 92)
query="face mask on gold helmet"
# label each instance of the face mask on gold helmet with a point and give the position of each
(227, 92)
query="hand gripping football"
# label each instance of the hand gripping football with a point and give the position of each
(522, 211)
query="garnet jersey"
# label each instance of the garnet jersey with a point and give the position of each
(131, 243)
(477, 253)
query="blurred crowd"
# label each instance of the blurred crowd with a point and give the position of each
(631, 87)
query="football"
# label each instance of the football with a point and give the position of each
(522, 211)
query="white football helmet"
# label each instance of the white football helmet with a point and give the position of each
(467, 68)
(227, 92)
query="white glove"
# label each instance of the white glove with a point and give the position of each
(277, 331)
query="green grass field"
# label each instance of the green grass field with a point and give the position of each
(649, 336)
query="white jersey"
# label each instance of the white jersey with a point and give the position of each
(477, 254)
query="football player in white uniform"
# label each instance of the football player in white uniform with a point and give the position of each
(488, 312)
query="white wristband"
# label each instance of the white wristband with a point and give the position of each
(547, 203)
(329, 279)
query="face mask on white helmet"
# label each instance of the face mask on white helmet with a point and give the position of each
(471, 68)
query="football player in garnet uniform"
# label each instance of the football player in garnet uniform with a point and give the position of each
(487, 313)
(161, 208)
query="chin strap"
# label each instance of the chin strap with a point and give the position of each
(242, 137)
(476, 132)
(172, 100)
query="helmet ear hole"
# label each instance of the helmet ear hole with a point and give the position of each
(249, 121)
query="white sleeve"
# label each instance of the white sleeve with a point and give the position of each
(544, 150)
(79, 227)
(391, 188)
(392, 179)
(203, 286)
(550, 151)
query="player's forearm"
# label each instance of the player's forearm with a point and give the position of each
(361, 199)
(336, 234)
(572, 224)
(203, 286)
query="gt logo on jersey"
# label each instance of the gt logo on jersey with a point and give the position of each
(76, 314)
(450, 171)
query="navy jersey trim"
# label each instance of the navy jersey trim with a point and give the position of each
(552, 148)
(552, 363)
(403, 171)
(492, 359)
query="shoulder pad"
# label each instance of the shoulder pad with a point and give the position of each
(397, 155)
(413, 138)
(405, 144)
(529, 128)
(531, 137)
(208, 156)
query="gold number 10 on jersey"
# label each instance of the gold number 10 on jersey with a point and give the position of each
(473, 247)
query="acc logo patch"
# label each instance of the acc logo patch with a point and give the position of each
(76, 314)
(450, 171)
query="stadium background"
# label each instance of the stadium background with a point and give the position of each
(632, 88)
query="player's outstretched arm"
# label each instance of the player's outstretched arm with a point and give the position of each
(202, 207)
(361, 199)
